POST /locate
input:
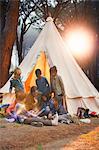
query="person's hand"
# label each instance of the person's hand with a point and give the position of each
(47, 108)
(50, 116)
(13, 115)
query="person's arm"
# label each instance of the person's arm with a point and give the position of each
(11, 86)
(63, 93)
(46, 82)
(36, 83)
(51, 85)
(23, 83)
(52, 106)
(48, 86)
(11, 108)
(35, 102)
(61, 85)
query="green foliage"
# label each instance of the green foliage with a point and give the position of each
(39, 147)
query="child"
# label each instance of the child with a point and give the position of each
(55, 106)
(31, 101)
(48, 107)
(38, 120)
(26, 114)
(51, 106)
(16, 81)
(11, 111)
(57, 86)
(42, 83)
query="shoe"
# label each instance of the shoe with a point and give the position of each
(10, 120)
(37, 124)
(67, 121)
(55, 120)
(27, 121)
(44, 117)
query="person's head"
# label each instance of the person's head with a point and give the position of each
(53, 97)
(52, 94)
(38, 73)
(20, 96)
(44, 98)
(53, 71)
(17, 72)
(34, 92)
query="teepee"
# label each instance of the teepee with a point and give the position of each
(48, 50)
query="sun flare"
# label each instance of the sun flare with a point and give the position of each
(80, 42)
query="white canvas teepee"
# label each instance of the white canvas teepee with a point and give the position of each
(48, 50)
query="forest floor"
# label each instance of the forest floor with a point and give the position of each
(82, 136)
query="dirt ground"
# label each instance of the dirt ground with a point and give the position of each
(15, 136)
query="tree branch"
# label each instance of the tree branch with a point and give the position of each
(59, 8)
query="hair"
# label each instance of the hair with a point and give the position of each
(20, 95)
(16, 75)
(55, 103)
(53, 68)
(33, 89)
(15, 71)
(44, 94)
(38, 70)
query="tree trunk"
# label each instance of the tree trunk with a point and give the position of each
(3, 10)
(19, 44)
(7, 40)
(20, 54)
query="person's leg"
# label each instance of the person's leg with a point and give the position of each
(62, 101)
(46, 122)
(62, 117)
(53, 122)
(59, 98)
(45, 113)
(35, 119)
(35, 123)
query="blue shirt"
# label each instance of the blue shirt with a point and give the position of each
(49, 104)
(60, 110)
(17, 84)
(43, 85)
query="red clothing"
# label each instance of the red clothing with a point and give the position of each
(11, 107)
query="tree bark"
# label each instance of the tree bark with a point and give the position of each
(3, 10)
(7, 39)
(20, 54)
(19, 44)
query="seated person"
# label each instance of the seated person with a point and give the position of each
(51, 106)
(55, 106)
(42, 83)
(31, 100)
(48, 107)
(29, 113)
(11, 110)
